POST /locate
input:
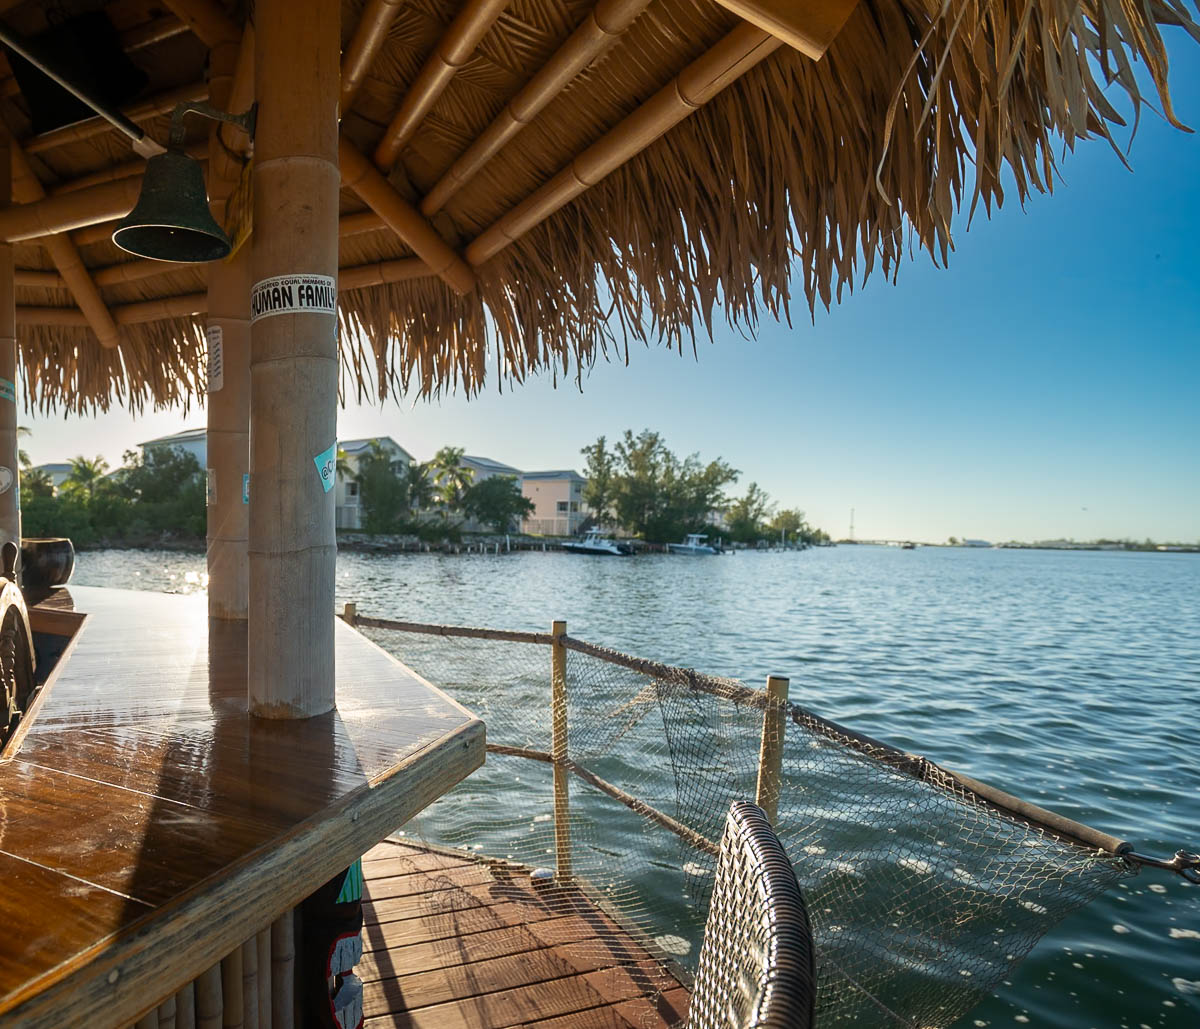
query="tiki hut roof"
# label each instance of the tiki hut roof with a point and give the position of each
(535, 183)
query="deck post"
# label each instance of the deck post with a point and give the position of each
(228, 338)
(293, 359)
(350, 614)
(283, 970)
(209, 1001)
(231, 990)
(770, 754)
(558, 750)
(10, 468)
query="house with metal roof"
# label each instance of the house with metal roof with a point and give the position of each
(558, 507)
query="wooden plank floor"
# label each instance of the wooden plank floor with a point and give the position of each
(455, 942)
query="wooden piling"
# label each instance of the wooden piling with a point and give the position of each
(770, 754)
(283, 971)
(228, 336)
(10, 468)
(293, 360)
(350, 614)
(558, 750)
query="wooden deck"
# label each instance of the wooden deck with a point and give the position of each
(456, 942)
(148, 825)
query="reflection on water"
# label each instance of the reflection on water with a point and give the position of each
(1069, 678)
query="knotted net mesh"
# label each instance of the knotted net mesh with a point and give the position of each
(923, 895)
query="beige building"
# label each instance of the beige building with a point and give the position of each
(558, 507)
(348, 512)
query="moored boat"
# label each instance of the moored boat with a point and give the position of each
(695, 544)
(594, 543)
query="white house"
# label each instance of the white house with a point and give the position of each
(57, 472)
(190, 441)
(349, 513)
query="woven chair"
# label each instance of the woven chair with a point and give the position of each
(756, 963)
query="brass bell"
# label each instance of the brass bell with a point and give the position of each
(171, 220)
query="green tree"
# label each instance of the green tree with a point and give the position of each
(747, 515)
(599, 472)
(791, 524)
(451, 479)
(382, 493)
(35, 482)
(496, 501)
(165, 490)
(87, 473)
(418, 484)
(23, 431)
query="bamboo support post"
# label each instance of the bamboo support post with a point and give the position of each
(167, 1012)
(231, 991)
(10, 468)
(452, 52)
(770, 754)
(148, 1021)
(369, 34)
(293, 362)
(262, 942)
(739, 51)
(209, 1003)
(228, 337)
(558, 751)
(250, 984)
(598, 31)
(283, 971)
(185, 1007)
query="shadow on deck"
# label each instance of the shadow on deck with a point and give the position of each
(457, 942)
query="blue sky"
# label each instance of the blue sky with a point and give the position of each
(1046, 384)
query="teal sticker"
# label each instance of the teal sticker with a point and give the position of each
(245, 487)
(326, 463)
(352, 885)
(8, 390)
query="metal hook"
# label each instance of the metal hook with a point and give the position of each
(245, 121)
(1184, 864)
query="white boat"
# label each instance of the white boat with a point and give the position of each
(694, 544)
(594, 543)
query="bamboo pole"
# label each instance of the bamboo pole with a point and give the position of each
(403, 270)
(250, 984)
(148, 1021)
(209, 999)
(770, 753)
(37, 277)
(263, 943)
(283, 971)
(809, 27)
(359, 175)
(744, 47)
(80, 131)
(206, 20)
(125, 170)
(167, 1012)
(127, 314)
(28, 189)
(293, 362)
(595, 34)
(10, 467)
(452, 52)
(369, 35)
(558, 750)
(231, 991)
(66, 211)
(185, 1007)
(147, 34)
(228, 337)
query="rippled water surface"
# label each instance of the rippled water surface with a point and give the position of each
(1069, 678)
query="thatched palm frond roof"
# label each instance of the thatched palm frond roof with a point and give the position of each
(564, 176)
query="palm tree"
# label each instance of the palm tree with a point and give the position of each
(419, 485)
(22, 456)
(36, 482)
(452, 479)
(87, 473)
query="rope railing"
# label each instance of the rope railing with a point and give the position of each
(771, 701)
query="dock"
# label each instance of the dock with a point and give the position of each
(454, 941)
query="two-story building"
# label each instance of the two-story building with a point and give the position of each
(190, 441)
(558, 507)
(351, 451)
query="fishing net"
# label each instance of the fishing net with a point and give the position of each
(923, 893)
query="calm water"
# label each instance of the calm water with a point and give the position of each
(1068, 678)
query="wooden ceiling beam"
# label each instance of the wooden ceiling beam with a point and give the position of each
(198, 151)
(39, 278)
(454, 49)
(808, 27)
(207, 21)
(595, 34)
(66, 211)
(699, 82)
(359, 175)
(98, 126)
(27, 189)
(359, 55)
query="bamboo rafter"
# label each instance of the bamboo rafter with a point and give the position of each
(808, 27)
(452, 52)
(598, 31)
(369, 34)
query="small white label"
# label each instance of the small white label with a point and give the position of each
(216, 358)
(293, 294)
(6, 479)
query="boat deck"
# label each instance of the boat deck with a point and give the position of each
(453, 941)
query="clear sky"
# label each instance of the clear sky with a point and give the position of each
(1047, 384)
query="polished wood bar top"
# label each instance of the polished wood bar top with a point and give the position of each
(148, 825)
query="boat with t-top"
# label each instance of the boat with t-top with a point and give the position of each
(695, 543)
(594, 543)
